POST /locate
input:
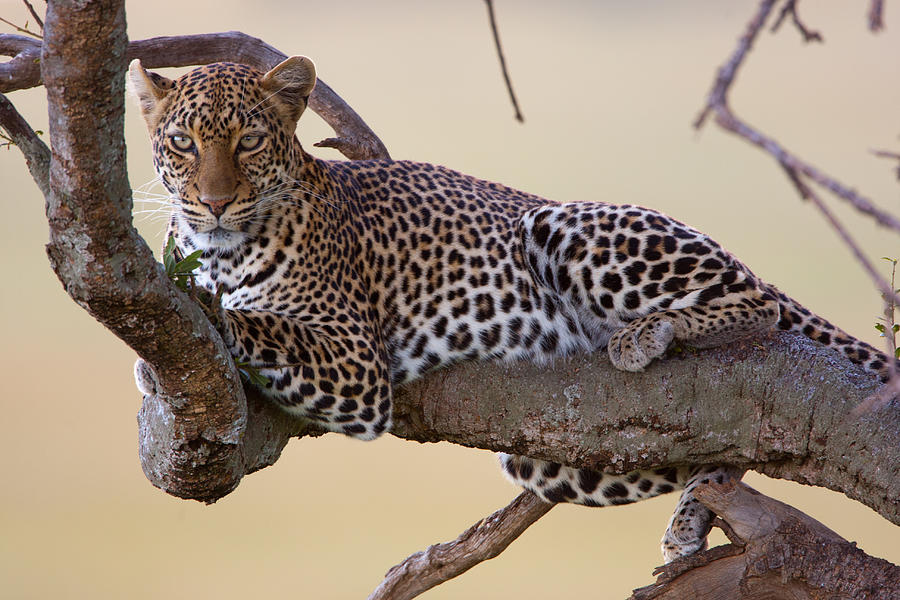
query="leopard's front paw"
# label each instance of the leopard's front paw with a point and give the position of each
(635, 346)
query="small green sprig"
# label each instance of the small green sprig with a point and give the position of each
(7, 142)
(251, 374)
(888, 327)
(180, 271)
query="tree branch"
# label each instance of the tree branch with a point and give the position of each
(482, 541)
(783, 553)
(353, 137)
(781, 405)
(104, 264)
(876, 16)
(790, 8)
(499, 46)
(37, 154)
(34, 14)
(717, 101)
(23, 70)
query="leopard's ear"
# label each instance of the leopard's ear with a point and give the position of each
(291, 82)
(149, 89)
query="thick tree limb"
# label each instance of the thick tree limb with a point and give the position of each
(781, 405)
(482, 541)
(353, 137)
(105, 265)
(783, 554)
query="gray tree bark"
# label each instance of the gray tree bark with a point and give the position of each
(780, 405)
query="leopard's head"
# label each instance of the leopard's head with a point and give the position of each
(223, 143)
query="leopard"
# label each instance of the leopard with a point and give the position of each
(341, 280)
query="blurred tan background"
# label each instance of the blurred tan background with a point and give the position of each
(609, 90)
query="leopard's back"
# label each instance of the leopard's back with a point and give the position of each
(441, 255)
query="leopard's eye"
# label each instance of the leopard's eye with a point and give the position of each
(182, 142)
(249, 142)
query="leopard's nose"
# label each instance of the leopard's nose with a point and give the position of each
(216, 204)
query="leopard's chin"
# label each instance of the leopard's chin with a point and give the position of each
(219, 239)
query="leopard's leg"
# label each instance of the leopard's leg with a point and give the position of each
(553, 482)
(705, 318)
(331, 373)
(638, 280)
(690, 523)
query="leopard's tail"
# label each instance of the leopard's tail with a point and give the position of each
(796, 317)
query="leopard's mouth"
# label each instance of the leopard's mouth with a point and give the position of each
(218, 238)
(220, 233)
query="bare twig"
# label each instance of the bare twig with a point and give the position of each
(727, 72)
(717, 102)
(482, 541)
(794, 167)
(876, 15)
(887, 290)
(790, 8)
(808, 194)
(21, 29)
(34, 14)
(890, 308)
(890, 155)
(512, 94)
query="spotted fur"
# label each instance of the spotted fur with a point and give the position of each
(342, 280)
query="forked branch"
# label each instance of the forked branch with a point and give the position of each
(717, 102)
(797, 170)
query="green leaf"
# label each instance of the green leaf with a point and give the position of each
(897, 352)
(188, 264)
(180, 271)
(251, 374)
(896, 327)
(880, 328)
(169, 257)
(169, 250)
